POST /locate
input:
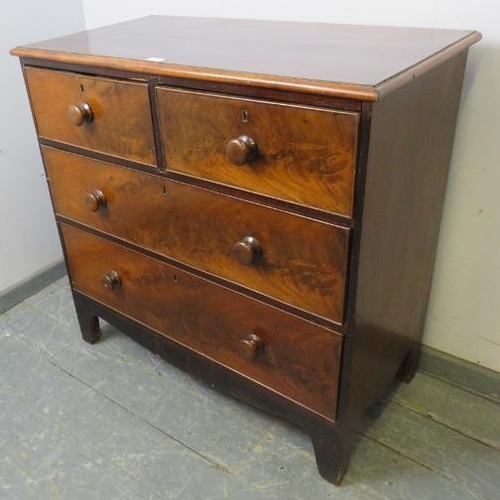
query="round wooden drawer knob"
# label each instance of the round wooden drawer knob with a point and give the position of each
(80, 113)
(251, 346)
(95, 200)
(241, 150)
(111, 280)
(247, 251)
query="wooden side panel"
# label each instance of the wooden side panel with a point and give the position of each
(299, 360)
(303, 261)
(121, 125)
(411, 141)
(305, 155)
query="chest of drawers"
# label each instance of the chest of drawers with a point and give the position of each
(257, 202)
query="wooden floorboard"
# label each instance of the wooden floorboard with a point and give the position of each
(467, 463)
(471, 415)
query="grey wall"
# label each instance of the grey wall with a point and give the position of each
(28, 238)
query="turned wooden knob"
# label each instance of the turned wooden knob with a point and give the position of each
(247, 251)
(80, 113)
(95, 200)
(251, 346)
(241, 150)
(111, 280)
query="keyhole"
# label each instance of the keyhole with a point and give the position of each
(176, 278)
(165, 190)
(245, 116)
(82, 90)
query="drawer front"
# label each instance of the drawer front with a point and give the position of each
(302, 261)
(121, 123)
(290, 356)
(304, 155)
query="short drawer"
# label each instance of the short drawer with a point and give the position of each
(105, 115)
(284, 353)
(299, 154)
(293, 259)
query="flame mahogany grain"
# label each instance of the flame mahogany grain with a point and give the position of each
(200, 228)
(121, 124)
(299, 360)
(334, 216)
(305, 155)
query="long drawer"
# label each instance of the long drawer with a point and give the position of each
(289, 355)
(296, 260)
(101, 114)
(301, 154)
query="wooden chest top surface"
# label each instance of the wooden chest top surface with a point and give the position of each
(343, 60)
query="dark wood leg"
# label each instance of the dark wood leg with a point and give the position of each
(331, 450)
(409, 365)
(88, 321)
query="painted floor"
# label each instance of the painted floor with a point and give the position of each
(113, 422)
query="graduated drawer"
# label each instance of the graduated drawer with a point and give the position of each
(302, 262)
(290, 356)
(305, 155)
(120, 116)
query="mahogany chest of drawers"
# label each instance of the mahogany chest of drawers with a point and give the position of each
(257, 202)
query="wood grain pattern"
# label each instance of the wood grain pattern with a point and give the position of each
(305, 155)
(121, 125)
(299, 360)
(352, 124)
(200, 227)
(314, 58)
